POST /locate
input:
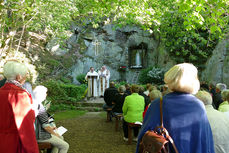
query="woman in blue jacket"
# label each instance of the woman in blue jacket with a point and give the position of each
(184, 116)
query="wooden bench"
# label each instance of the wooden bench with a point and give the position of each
(117, 119)
(109, 110)
(130, 127)
(45, 147)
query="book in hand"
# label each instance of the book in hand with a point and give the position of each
(61, 130)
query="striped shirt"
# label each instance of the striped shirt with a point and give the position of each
(41, 123)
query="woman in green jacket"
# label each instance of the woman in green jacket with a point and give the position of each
(133, 108)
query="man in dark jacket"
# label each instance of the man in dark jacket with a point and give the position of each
(109, 96)
(217, 98)
(146, 98)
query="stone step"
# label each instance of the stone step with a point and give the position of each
(85, 104)
(90, 109)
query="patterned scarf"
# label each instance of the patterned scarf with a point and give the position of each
(16, 83)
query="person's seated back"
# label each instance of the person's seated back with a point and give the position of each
(128, 92)
(154, 94)
(148, 85)
(224, 106)
(219, 123)
(109, 94)
(165, 90)
(119, 100)
(133, 106)
(146, 98)
(152, 88)
(217, 98)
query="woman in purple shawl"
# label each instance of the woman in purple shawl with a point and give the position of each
(184, 116)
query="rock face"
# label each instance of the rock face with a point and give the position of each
(124, 51)
(217, 67)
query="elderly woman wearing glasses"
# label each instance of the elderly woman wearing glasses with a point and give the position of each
(184, 115)
(16, 114)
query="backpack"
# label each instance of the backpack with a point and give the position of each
(157, 140)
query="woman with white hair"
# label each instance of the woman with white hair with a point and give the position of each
(184, 115)
(44, 128)
(16, 114)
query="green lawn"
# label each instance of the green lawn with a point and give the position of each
(69, 114)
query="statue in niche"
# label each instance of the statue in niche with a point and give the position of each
(138, 62)
(136, 59)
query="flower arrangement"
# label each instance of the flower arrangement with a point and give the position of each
(156, 74)
(122, 68)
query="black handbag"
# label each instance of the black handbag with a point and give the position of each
(157, 140)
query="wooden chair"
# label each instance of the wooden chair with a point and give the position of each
(117, 119)
(45, 147)
(109, 110)
(130, 127)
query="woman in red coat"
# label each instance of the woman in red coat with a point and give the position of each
(16, 115)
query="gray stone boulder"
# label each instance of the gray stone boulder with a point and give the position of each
(217, 67)
(54, 47)
(112, 46)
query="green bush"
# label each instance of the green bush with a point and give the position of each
(65, 80)
(143, 77)
(118, 84)
(58, 91)
(81, 78)
(153, 75)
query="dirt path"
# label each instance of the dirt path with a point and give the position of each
(92, 134)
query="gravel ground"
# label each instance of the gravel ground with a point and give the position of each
(91, 133)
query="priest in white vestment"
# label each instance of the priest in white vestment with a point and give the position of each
(104, 77)
(92, 78)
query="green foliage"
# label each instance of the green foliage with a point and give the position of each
(52, 17)
(81, 78)
(153, 75)
(118, 84)
(52, 62)
(189, 29)
(143, 77)
(65, 80)
(58, 91)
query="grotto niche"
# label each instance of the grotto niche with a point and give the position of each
(137, 56)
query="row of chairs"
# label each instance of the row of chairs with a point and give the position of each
(118, 119)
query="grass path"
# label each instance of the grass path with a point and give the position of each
(91, 133)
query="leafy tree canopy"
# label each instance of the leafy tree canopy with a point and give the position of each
(190, 29)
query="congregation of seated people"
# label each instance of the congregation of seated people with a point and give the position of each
(196, 114)
(179, 98)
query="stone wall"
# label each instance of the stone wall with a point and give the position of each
(217, 67)
(112, 49)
